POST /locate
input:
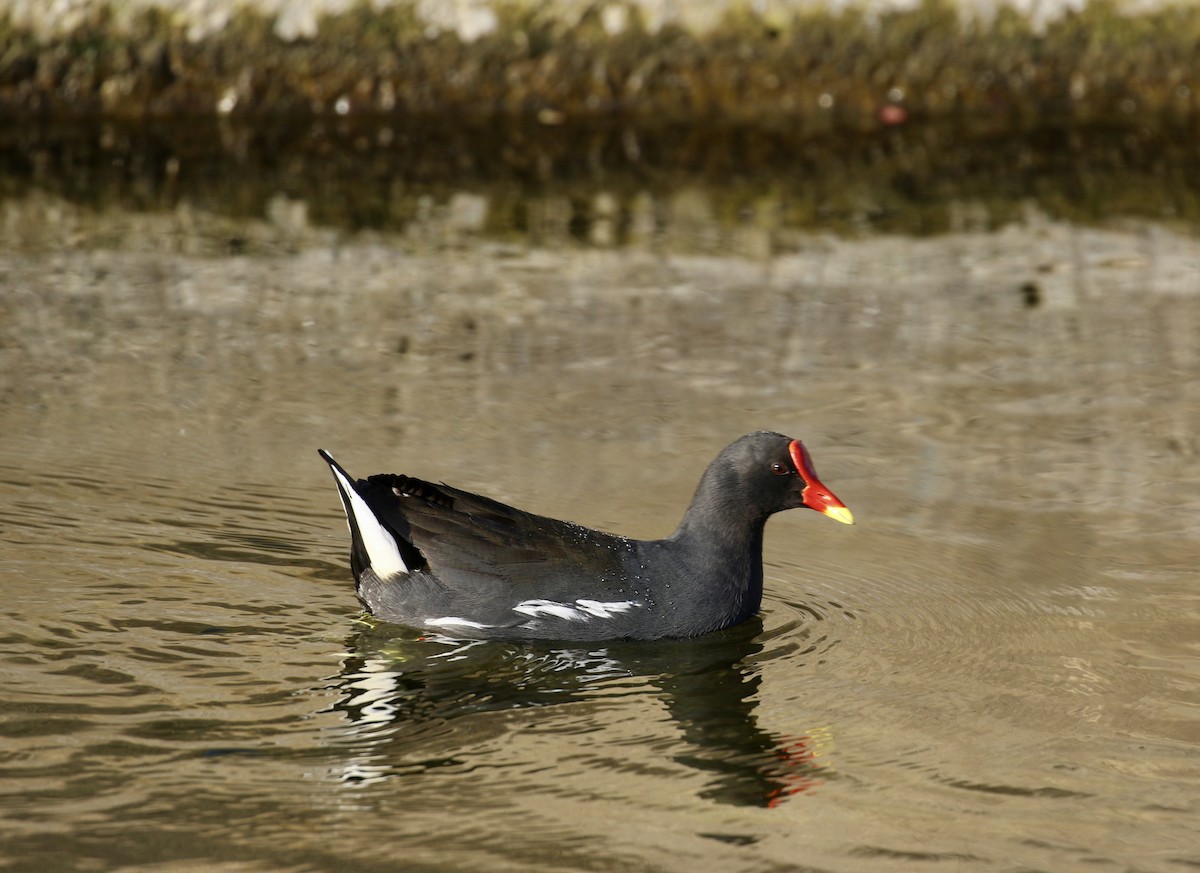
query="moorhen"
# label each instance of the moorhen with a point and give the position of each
(437, 558)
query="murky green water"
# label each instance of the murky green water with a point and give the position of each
(996, 669)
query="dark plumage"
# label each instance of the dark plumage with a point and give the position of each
(439, 558)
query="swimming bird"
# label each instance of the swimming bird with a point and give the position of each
(444, 560)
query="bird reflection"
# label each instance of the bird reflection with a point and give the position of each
(403, 695)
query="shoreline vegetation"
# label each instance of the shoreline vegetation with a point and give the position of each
(793, 66)
(602, 123)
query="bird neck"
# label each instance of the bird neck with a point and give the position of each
(730, 544)
(719, 515)
(723, 549)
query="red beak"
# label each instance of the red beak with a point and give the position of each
(815, 495)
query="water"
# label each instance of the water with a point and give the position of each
(997, 668)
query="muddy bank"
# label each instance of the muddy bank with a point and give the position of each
(812, 67)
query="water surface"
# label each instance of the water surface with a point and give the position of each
(997, 668)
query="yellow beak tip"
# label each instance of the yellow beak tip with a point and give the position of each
(840, 513)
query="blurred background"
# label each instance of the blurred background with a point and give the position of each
(561, 253)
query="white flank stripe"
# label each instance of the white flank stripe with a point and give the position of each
(606, 610)
(453, 621)
(382, 552)
(538, 608)
(583, 610)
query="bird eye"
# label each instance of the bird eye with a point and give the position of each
(780, 469)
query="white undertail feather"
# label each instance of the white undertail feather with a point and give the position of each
(382, 552)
